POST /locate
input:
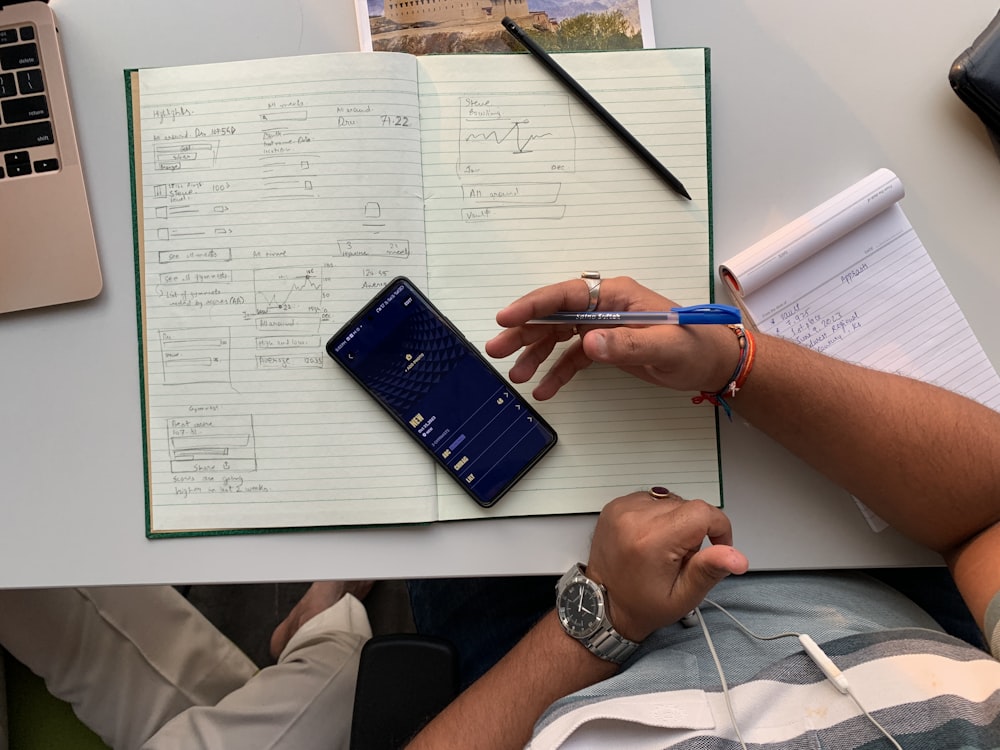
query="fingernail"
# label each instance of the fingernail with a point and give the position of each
(599, 342)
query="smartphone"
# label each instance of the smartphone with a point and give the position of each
(437, 386)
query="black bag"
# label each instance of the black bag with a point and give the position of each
(975, 77)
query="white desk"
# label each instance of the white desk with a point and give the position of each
(806, 99)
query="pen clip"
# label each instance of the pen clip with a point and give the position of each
(725, 314)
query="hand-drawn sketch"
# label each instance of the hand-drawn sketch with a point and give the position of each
(195, 355)
(212, 443)
(293, 295)
(503, 137)
(170, 156)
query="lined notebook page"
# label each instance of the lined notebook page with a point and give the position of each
(276, 197)
(524, 187)
(862, 287)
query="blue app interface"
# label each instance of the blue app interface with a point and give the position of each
(477, 426)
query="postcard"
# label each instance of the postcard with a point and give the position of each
(424, 27)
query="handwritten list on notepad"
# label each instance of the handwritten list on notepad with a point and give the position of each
(274, 197)
(852, 279)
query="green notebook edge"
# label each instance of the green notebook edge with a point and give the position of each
(711, 245)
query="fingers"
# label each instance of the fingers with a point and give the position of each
(650, 556)
(705, 569)
(566, 295)
(537, 342)
(570, 362)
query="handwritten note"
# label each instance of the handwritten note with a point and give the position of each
(275, 197)
(858, 284)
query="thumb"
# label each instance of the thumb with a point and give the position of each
(706, 568)
(621, 346)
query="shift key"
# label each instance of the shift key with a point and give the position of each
(27, 108)
(26, 136)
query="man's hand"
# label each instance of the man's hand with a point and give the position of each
(648, 554)
(697, 358)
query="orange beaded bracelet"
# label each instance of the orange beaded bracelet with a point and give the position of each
(748, 351)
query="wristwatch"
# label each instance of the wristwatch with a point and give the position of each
(582, 606)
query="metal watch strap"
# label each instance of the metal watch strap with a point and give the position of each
(610, 645)
(606, 643)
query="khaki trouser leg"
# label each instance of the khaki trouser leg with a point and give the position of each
(128, 659)
(143, 668)
(304, 701)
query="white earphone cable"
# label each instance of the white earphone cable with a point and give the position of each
(818, 656)
(722, 676)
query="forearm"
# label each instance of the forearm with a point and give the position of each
(925, 459)
(500, 709)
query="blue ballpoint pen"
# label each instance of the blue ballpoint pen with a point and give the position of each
(684, 316)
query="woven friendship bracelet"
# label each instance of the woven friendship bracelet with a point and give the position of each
(748, 350)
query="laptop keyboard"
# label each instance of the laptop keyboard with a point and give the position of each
(25, 123)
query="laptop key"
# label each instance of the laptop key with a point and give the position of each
(7, 85)
(25, 136)
(46, 165)
(19, 170)
(24, 109)
(27, 33)
(8, 36)
(18, 157)
(19, 56)
(29, 81)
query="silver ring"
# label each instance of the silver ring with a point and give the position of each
(659, 493)
(593, 279)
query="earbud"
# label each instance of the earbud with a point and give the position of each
(689, 620)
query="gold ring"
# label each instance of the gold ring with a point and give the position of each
(659, 493)
(593, 279)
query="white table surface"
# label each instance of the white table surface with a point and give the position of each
(806, 99)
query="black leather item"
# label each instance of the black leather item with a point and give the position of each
(975, 77)
(403, 682)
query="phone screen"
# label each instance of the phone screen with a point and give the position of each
(442, 391)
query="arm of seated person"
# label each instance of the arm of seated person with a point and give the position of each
(925, 459)
(648, 555)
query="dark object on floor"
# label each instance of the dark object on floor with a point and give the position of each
(403, 682)
(483, 618)
(248, 613)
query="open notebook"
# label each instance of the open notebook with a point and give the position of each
(273, 197)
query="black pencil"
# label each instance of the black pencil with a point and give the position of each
(606, 117)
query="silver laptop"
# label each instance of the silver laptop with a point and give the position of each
(48, 255)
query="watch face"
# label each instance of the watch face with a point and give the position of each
(581, 608)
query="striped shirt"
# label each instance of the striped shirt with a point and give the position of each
(927, 689)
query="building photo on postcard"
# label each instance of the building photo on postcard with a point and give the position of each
(425, 27)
